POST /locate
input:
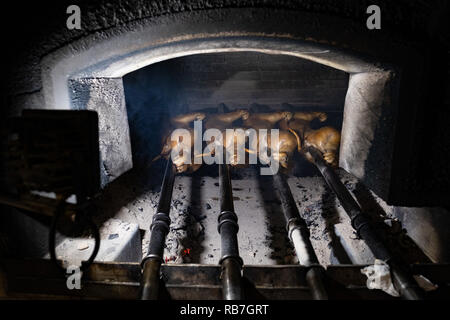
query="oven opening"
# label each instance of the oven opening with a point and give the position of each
(223, 83)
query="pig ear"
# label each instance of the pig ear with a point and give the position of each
(299, 143)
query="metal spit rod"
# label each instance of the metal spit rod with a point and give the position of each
(403, 281)
(228, 227)
(159, 228)
(299, 235)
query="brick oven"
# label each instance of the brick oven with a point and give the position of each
(310, 231)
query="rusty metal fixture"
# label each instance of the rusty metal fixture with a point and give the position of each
(150, 279)
(231, 276)
(403, 281)
(299, 236)
(121, 280)
(315, 278)
(159, 229)
(228, 227)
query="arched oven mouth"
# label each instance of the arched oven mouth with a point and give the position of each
(226, 153)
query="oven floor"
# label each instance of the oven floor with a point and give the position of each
(193, 236)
